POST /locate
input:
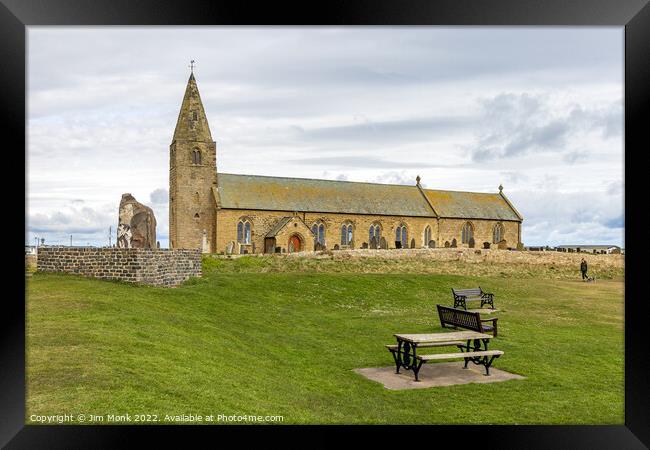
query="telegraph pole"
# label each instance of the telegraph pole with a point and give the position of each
(70, 240)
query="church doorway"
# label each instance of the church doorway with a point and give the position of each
(295, 244)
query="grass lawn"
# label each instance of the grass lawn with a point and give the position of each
(244, 341)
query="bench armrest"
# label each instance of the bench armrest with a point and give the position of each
(487, 294)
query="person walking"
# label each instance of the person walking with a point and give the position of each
(583, 269)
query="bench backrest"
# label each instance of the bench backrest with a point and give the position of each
(460, 318)
(474, 292)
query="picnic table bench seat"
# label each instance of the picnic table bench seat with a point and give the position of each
(462, 296)
(455, 317)
(478, 357)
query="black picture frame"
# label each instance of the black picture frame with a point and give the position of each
(634, 15)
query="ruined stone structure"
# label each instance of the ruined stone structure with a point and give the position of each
(136, 224)
(134, 265)
(228, 213)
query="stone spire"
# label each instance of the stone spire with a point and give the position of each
(192, 124)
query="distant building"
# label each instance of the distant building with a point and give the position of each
(604, 249)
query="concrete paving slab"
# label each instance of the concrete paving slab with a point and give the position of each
(435, 375)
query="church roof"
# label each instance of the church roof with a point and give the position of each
(470, 205)
(310, 195)
(278, 226)
(328, 196)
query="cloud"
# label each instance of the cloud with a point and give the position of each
(84, 224)
(556, 218)
(359, 161)
(159, 196)
(513, 125)
(395, 177)
(386, 131)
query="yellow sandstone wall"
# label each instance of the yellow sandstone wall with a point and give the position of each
(263, 221)
(441, 230)
(451, 228)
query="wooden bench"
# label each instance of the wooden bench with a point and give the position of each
(477, 357)
(465, 319)
(462, 296)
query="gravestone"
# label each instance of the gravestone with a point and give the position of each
(486, 245)
(336, 246)
(453, 243)
(373, 243)
(412, 243)
(446, 244)
(432, 244)
(503, 245)
(383, 244)
(364, 245)
(471, 242)
(136, 224)
(230, 248)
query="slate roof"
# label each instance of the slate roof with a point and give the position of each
(278, 226)
(328, 196)
(309, 195)
(470, 205)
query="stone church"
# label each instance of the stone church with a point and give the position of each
(232, 213)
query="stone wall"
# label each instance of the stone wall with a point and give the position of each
(155, 267)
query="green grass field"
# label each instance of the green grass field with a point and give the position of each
(242, 340)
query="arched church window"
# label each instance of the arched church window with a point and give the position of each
(319, 233)
(466, 233)
(346, 234)
(401, 238)
(497, 233)
(427, 236)
(244, 231)
(375, 231)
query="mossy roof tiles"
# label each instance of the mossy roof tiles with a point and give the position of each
(470, 205)
(347, 197)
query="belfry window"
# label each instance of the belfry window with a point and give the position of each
(244, 231)
(497, 233)
(466, 233)
(346, 234)
(196, 157)
(401, 238)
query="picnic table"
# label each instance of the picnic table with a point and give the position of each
(473, 347)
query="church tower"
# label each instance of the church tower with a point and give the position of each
(192, 174)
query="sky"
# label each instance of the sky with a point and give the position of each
(536, 109)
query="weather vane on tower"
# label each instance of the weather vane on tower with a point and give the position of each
(191, 66)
